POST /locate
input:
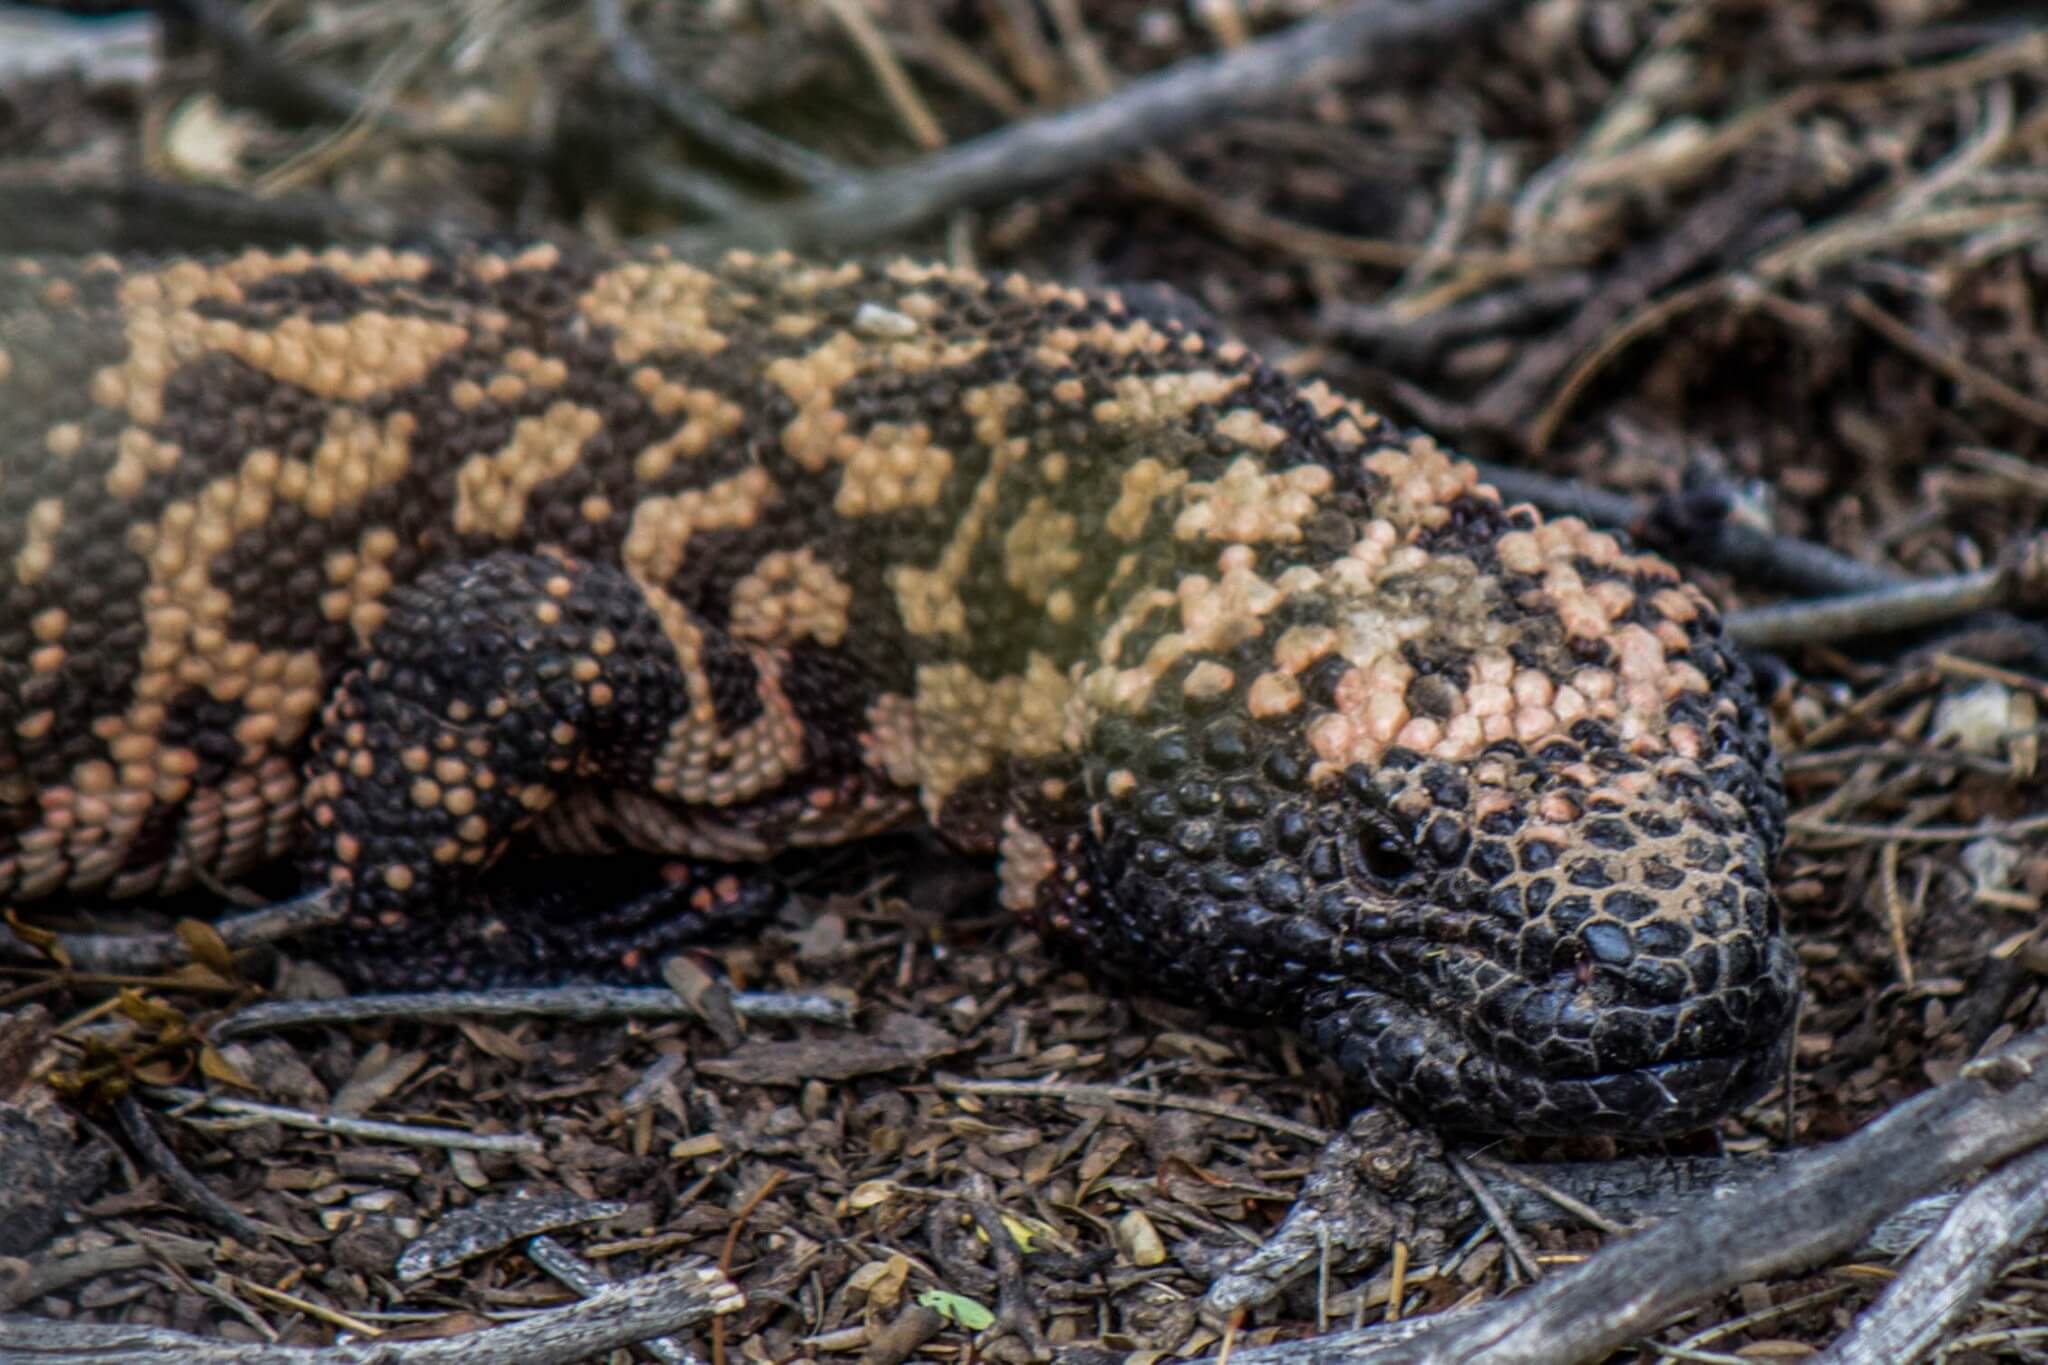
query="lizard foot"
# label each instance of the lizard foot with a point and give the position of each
(1380, 1181)
(556, 919)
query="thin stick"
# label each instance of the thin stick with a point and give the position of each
(49, 1276)
(1529, 1180)
(1972, 378)
(318, 1311)
(1814, 830)
(1694, 1346)
(1015, 1308)
(192, 1192)
(1118, 1094)
(911, 110)
(1510, 1235)
(418, 1135)
(1894, 909)
(1887, 609)
(579, 1003)
(732, 1241)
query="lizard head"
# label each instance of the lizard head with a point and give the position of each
(1489, 806)
(1563, 940)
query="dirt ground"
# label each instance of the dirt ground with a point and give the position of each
(1789, 257)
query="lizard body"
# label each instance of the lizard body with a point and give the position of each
(384, 560)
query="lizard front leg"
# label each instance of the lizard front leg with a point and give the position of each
(493, 687)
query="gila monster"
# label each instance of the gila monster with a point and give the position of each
(388, 559)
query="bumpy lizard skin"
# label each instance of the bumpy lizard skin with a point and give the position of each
(386, 560)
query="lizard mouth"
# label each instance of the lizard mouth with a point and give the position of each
(1664, 1099)
(1533, 1062)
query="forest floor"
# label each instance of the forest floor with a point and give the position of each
(1777, 264)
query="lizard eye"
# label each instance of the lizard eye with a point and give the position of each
(1383, 846)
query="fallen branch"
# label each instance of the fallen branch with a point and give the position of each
(1818, 1207)
(617, 1315)
(1651, 1189)
(1697, 527)
(140, 954)
(1948, 1274)
(1359, 40)
(1400, 343)
(2021, 584)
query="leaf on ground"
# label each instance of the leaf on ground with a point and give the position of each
(957, 1309)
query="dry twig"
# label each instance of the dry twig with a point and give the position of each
(190, 1190)
(582, 1003)
(33, 1279)
(696, 114)
(1971, 378)
(418, 1135)
(1119, 1094)
(140, 954)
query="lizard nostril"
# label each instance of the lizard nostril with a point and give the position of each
(1384, 848)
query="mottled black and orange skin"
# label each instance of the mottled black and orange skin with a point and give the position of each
(387, 560)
